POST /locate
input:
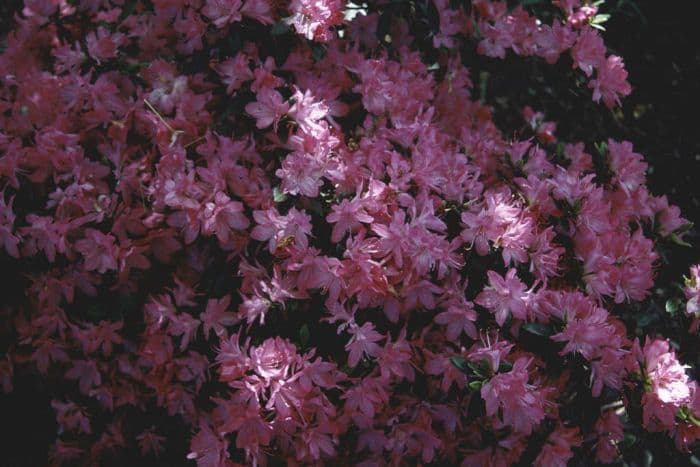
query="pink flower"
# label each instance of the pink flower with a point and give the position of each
(362, 343)
(628, 166)
(307, 111)
(458, 319)
(611, 82)
(222, 217)
(7, 219)
(556, 451)
(589, 51)
(103, 45)
(347, 216)
(222, 12)
(585, 332)
(99, 251)
(314, 18)
(87, 373)
(295, 226)
(301, 173)
(668, 386)
(71, 417)
(521, 403)
(184, 325)
(269, 107)
(216, 318)
(234, 72)
(207, 448)
(692, 291)
(232, 359)
(150, 443)
(274, 359)
(395, 359)
(504, 295)
(610, 433)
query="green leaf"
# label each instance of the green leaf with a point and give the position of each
(684, 228)
(678, 241)
(475, 385)
(278, 196)
(538, 329)
(279, 28)
(602, 148)
(598, 19)
(318, 52)
(479, 369)
(459, 362)
(672, 305)
(304, 335)
(505, 367)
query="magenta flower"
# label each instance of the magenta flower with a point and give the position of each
(99, 251)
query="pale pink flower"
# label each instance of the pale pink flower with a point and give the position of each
(301, 173)
(223, 216)
(347, 216)
(294, 226)
(268, 109)
(363, 343)
(314, 18)
(669, 387)
(505, 295)
(274, 359)
(692, 291)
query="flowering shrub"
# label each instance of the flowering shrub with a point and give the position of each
(290, 228)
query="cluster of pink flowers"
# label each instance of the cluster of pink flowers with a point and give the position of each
(501, 30)
(303, 242)
(692, 291)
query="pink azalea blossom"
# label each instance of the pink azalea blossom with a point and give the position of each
(505, 295)
(521, 403)
(269, 108)
(99, 251)
(611, 81)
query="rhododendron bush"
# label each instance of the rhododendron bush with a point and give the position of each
(253, 232)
